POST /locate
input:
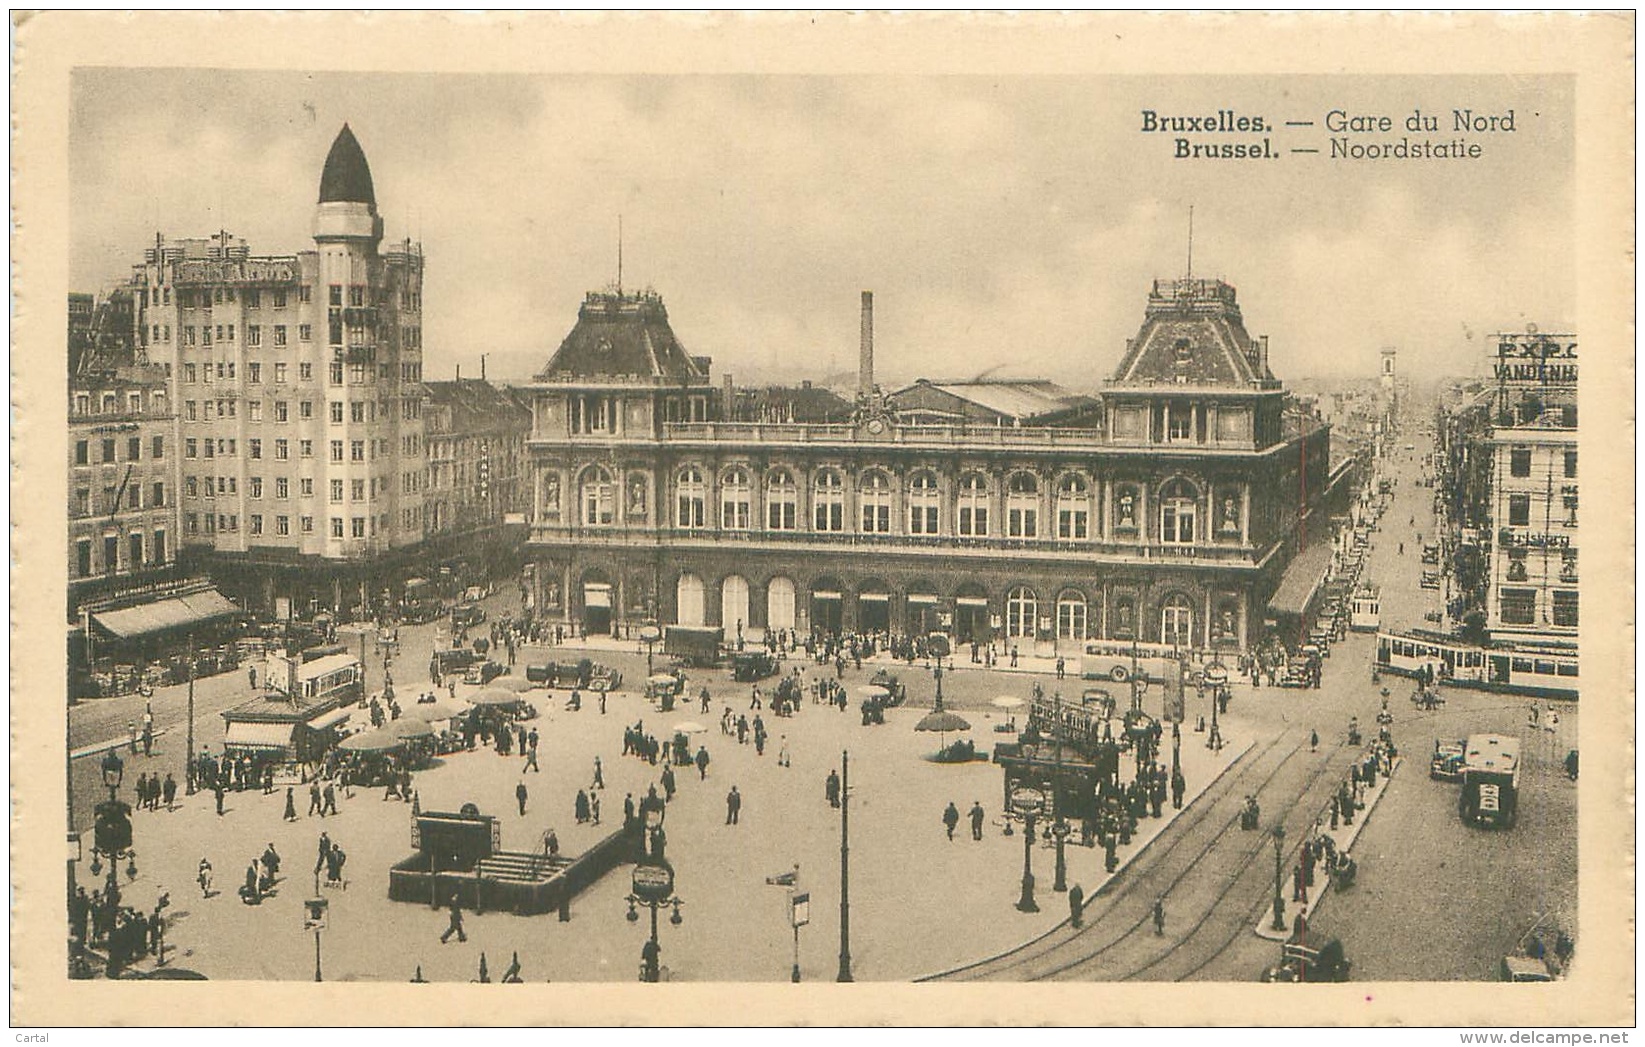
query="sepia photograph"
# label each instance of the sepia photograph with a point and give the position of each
(832, 522)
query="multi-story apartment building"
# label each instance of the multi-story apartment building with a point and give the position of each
(475, 435)
(1169, 513)
(1534, 575)
(297, 381)
(122, 508)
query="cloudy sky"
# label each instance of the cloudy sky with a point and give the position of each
(1009, 225)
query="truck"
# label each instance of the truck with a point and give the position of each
(697, 646)
(420, 603)
(1490, 781)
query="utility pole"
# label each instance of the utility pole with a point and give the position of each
(189, 784)
(845, 868)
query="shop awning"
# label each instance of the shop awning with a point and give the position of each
(875, 597)
(1301, 581)
(926, 598)
(258, 736)
(825, 596)
(971, 601)
(596, 595)
(331, 719)
(174, 612)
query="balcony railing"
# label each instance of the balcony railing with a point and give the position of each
(631, 537)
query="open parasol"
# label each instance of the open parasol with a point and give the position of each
(429, 712)
(942, 721)
(661, 679)
(1006, 701)
(513, 683)
(690, 727)
(371, 742)
(409, 727)
(870, 692)
(495, 696)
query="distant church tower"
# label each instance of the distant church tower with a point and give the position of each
(1388, 377)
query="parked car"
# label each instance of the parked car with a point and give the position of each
(467, 616)
(1310, 958)
(749, 666)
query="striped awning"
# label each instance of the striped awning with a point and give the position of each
(243, 735)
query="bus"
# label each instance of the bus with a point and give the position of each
(1115, 660)
(1547, 672)
(1490, 781)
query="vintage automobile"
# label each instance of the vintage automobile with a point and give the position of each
(604, 678)
(482, 672)
(1430, 580)
(1446, 764)
(1524, 969)
(1430, 554)
(893, 687)
(749, 666)
(467, 616)
(454, 659)
(1310, 958)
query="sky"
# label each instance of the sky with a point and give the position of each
(1008, 226)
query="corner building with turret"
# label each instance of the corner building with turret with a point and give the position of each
(1166, 513)
(297, 384)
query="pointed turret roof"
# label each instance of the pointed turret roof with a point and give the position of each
(347, 176)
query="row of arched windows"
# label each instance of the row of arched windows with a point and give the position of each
(694, 506)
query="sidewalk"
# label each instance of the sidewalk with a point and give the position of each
(1344, 838)
(117, 743)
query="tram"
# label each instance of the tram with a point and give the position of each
(1490, 781)
(1541, 671)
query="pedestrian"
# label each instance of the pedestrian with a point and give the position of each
(951, 818)
(1313, 741)
(520, 797)
(1159, 916)
(668, 781)
(1013, 656)
(291, 804)
(456, 925)
(702, 763)
(131, 735)
(782, 753)
(329, 799)
(594, 808)
(217, 791)
(531, 761)
(733, 806)
(316, 805)
(581, 807)
(1076, 905)
(599, 775)
(203, 877)
(251, 676)
(168, 791)
(628, 810)
(325, 852)
(148, 739)
(1061, 667)
(977, 817)
(833, 789)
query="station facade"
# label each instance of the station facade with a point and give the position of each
(1165, 512)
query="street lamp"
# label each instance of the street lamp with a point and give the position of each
(937, 673)
(650, 634)
(1028, 803)
(1060, 830)
(653, 886)
(1279, 895)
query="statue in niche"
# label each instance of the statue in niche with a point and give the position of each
(1224, 623)
(636, 496)
(1127, 509)
(551, 594)
(1122, 618)
(551, 493)
(1230, 516)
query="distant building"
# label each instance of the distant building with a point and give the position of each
(475, 433)
(297, 381)
(805, 402)
(1169, 515)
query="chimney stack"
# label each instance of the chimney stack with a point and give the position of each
(865, 359)
(729, 408)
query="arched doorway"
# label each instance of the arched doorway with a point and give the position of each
(689, 595)
(922, 604)
(779, 603)
(873, 607)
(597, 603)
(734, 606)
(971, 614)
(827, 606)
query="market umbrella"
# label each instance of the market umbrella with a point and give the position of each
(495, 696)
(690, 727)
(942, 721)
(868, 691)
(409, 727)
(371, 742)
(512, 683)
(660, 679)
(1006, 701)
(429, 712)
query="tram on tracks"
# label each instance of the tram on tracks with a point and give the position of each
(1490, 781)
(1549, 672)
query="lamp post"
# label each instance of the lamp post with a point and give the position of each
(1028, 803)
(652, 886)
(799, 914)
(189, 784)
(1060, 830)
(845, 868)
(650, 634)
(937, 673)
(112, 836)
(1279, 895)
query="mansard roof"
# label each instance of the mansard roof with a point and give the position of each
(1193, 334)
(624, 335)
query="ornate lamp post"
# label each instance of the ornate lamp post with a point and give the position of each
(1279, 861)
(1028, 803)
(845, 868)
(1060, 830)
(111, 834)
(653, 886)
(650, 634)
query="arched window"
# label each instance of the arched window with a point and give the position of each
(1071, 616)
(1178, 501)
(1022, 504)
(779, 603)
(828, 499)
(597, 497)
(781, 500)
(734, 605)
(689, 593)
(876, 503)
(1021, 611)
(734, 499)
(691, 498)
(923, 501)
(1176, 621)
(973, 505)
(1073, 507)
